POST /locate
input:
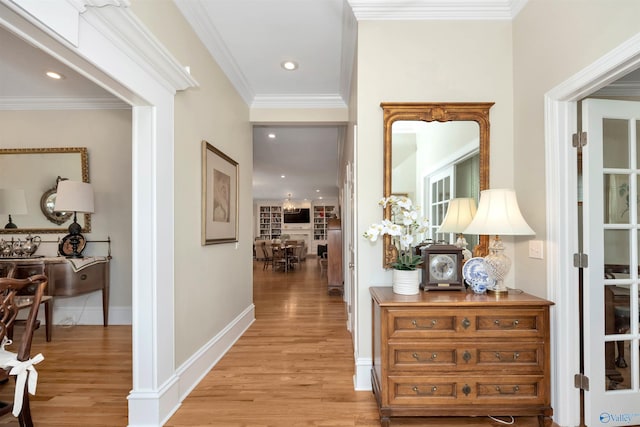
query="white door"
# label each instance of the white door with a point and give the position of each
(441, 190)
(610, 239)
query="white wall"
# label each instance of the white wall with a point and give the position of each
(107, 136)
(436, 61)
(213, 285)
(541, 38)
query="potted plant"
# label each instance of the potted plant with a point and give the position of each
(406, 230)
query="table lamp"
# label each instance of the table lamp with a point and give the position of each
(12, 202)
(498, 213)
(74, 196)
(459, 214)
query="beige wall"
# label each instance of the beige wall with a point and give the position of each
(423, 61)
(212, 283)
(553, 40)
(107, 136)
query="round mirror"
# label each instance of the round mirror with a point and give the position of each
(48, 203)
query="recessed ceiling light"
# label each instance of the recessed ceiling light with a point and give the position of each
(54, 75)
(317, 191)
(320, 197)
(289, 65)
(282, 176)
(271, 136)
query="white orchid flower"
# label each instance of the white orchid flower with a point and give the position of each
(373, 232)
(405, 241)
(394, 229)
(404, 203)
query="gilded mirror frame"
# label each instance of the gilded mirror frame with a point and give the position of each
(435, 112)
(84, 167)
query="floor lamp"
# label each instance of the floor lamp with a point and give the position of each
(499, 214)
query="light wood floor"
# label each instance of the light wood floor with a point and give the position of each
(293, 367)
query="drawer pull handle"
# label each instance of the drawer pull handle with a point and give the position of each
(466, 356)
(418, 358)
(466, 323)
(83, 277)
(513, 391)
(430, 326)
(431, 392)
(513, 324)
(515, 355)
(466, 389)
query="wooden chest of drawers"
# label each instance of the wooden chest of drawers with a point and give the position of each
(460, 354)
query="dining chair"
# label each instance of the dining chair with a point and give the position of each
(267, 254)
(279, 258)
(20, 364)
(22, 271)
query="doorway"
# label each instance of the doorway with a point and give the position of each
(561, 113)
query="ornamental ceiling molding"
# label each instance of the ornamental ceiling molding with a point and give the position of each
(26, 103)
(384, 10)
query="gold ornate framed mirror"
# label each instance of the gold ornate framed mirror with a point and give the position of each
(36, 171)
(397, 115)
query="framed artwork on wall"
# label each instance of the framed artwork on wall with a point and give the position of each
(219, 196)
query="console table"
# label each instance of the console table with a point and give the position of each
(460, 354)
(65, 280)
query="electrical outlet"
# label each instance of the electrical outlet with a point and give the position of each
(536, 249)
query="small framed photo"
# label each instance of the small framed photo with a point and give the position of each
(219, 196)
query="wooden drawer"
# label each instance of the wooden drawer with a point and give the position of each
(70, 283)
(447, 323)
(476, 391)
(525, 356)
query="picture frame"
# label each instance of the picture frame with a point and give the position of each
(219, 196)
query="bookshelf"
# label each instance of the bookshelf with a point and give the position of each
(320, 219)
(270, 222)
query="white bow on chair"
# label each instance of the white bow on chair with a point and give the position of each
(22, 371)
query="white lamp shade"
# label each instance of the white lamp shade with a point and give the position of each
(74, 196)
(459, 215)
(498, 213)
(12, 202)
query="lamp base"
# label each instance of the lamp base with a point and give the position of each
(10, 224)
(498, 292)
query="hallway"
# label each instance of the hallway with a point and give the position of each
(294, 366)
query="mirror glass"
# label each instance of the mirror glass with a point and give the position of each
(434, 152)
(36, 171)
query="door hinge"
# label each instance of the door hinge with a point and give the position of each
(580, 260)
(579, 139)
(581, 381)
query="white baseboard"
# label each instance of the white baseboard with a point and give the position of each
(362, 378)
(71, 315)
(198, 366)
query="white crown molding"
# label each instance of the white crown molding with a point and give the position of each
(60, 103)
(119, 25)
(384, 10)
(628, 88)
(298, 101)
(197, 17)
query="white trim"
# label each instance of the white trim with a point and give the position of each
(362, 378)
(562, 238)
(61, 103)
(197, 16)
(80, 315)
(299, 101)
(201, 362)
(436, 9)
(117, 53)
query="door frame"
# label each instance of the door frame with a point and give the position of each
(561, 121)
(147, 78)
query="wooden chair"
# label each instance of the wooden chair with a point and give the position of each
(22, 271)
(19, 364)
(279, 258)
(267, 254)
